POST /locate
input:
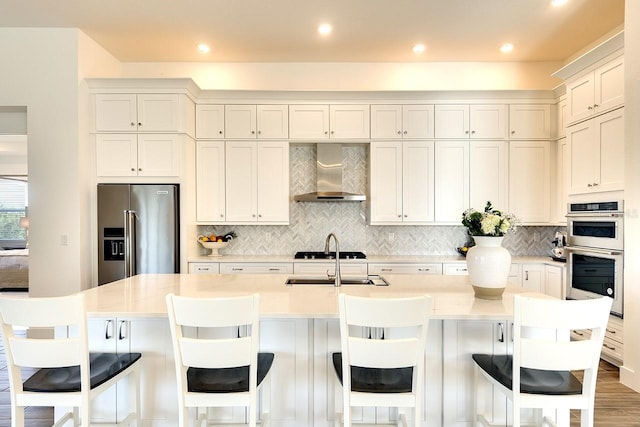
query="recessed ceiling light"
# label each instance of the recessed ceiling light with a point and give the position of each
(558, 2)
(203, 48)
(506, 48)
(419, 48)
(325, 29)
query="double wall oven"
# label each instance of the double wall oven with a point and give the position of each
(595, 233)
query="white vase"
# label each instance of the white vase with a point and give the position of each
(488, 264)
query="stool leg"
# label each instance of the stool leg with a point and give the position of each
(17, 416)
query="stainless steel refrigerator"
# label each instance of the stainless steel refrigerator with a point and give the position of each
(138, 230)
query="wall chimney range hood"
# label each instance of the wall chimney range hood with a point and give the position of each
(329, 178)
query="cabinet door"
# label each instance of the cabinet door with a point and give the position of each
(288, 339)
(582, 155)
(273, 181)
(488, 121)
(562, 112)
(609, 85)
(451, 180)
(609, 131)
(463, 339)
(554, 281)
(418, 121)
(386, 121)
(116, 113)
(529, 182)
(418, 181)
(349, 121)
(116, 155)
(241, 181)
(580, 97)
(209, 121)
(308, 121)
(158, 155)
(272, 121)
(386, 182)
(210, 181)
(530, 121)
(488, 173)
(452, 121)
(563, 172)
(240, 121)
(533, 277)
(158, 113)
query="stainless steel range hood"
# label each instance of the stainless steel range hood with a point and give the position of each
(329, 178)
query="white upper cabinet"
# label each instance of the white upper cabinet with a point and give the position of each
(481, 121)
(329, 121)
(451, 180)
(209, 121)
(529, 121)
(144, 113)
(257, 182)
(256, 121)
(142, 155)
(210, 181)
(402, 177)
(402, 121)
(596, 91)
(561, 118)
(529, 181)
(488, 174)
(596, 152)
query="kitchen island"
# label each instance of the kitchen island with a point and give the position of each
(300, 325)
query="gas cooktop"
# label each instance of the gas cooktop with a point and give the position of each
(330, 255)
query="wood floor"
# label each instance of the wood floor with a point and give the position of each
(616, 404)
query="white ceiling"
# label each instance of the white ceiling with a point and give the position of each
(364, 30)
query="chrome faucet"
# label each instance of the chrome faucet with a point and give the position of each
(338, 278)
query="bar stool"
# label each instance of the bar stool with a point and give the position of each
(543, 357)
(67, 374)
(386, 370)
(214, 369)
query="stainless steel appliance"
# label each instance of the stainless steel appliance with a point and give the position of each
(137, 230)
(595, 238)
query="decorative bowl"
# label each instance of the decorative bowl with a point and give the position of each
(214, 247)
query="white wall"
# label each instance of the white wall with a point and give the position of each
(356, 76)
(630, 372)
(40, 70)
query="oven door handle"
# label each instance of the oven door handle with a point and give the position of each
(597, 215)
(593, 250)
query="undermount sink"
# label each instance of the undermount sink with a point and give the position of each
(369, 280)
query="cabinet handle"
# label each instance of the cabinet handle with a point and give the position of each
(386, 269)
(609, 347)
(580, 334)
(274, 269)
(610, 331)
(501, 332)
(526, 275)
(122, 330)
(108, 329)
(424, 269)
(237, 269)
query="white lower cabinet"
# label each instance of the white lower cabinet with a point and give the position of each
(462, 339)
(455, 269)
(533, 277)
(291, 398)
(554, 281)
(256, 268)
(204, 268)
(405, 268)
(152, 338)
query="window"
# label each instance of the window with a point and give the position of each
(13, 207)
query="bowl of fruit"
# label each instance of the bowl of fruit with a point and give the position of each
(215, 243)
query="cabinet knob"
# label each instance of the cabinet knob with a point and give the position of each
(595, 105)
(139, 169)
(133, 123)
(473, 132)
(253, 132)
(221, 215)
(220, 132)
(325, 132)
(133, 169)
(259, 132)
(399, 132)
(259, 215)
(406, 215)
(253, 215)
(466, 132)
(595, 184)
(589, 185)
(332, 132)
(139, 124)
(513, 132)
(589, 107)
(399, 216)
(405, 132)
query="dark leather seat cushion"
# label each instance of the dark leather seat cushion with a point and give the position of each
(376, 380)
(103, 367)
(227, 380)
(531, 380)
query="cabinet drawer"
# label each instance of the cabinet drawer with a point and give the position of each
(612, 349)
(204, 268)
(256, 268)
(405, 268)
(457, 269)
(321, 268)
(614, 329)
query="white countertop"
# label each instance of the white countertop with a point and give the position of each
(144, 295)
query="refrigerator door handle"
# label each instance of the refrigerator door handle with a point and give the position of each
(129, 243)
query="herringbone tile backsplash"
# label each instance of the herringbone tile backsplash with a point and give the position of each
(311, 222)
